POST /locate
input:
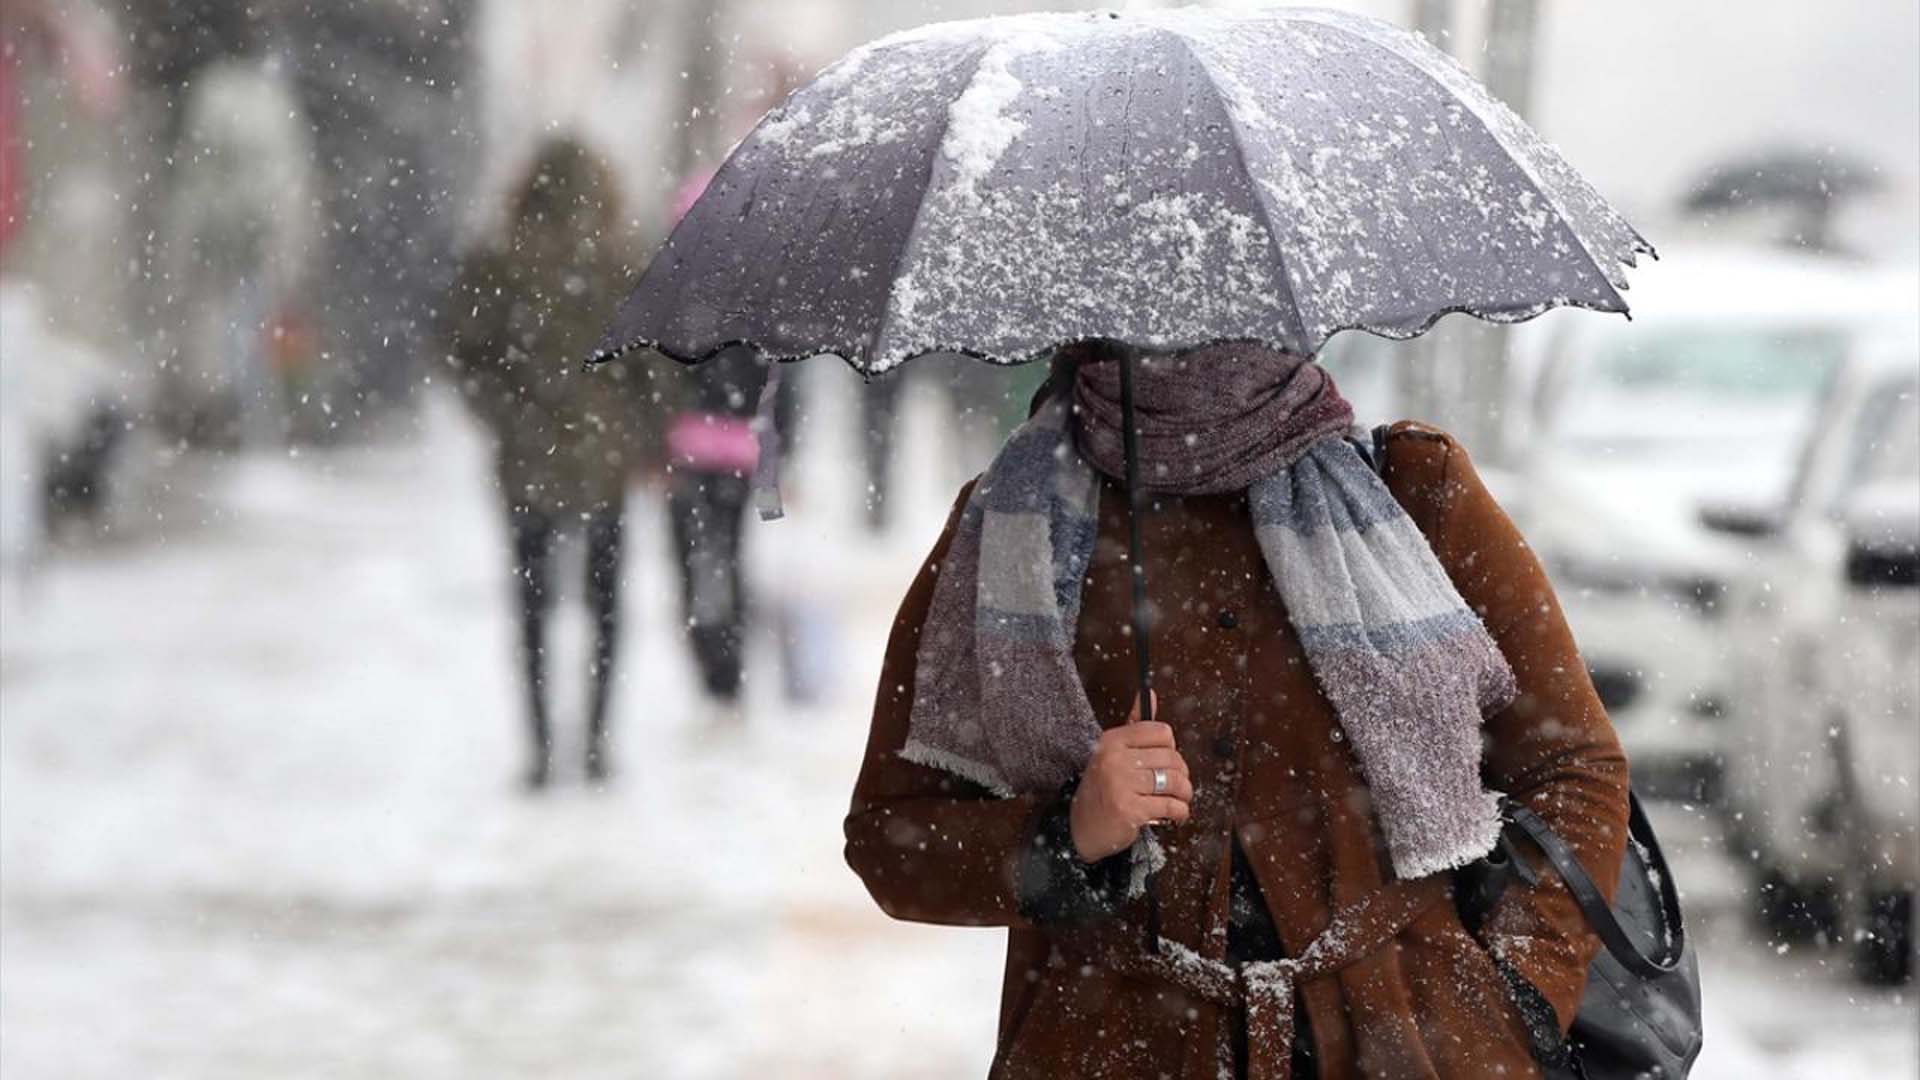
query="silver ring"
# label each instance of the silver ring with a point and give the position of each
(1159, 781)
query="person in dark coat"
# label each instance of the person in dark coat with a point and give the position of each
(1348, 662)
(522, 316)
(713, 450)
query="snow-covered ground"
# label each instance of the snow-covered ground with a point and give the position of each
(256, 814)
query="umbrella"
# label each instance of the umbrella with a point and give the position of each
(1163, 179)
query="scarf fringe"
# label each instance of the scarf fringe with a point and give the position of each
(1147, 858)
(1411, 865)
(966, 768)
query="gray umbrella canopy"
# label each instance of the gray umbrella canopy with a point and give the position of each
(1167, 179)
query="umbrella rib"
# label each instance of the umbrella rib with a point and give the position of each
(1299, 329)
(1511, 154)
(885, 324)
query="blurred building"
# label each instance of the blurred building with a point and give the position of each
(364, 177)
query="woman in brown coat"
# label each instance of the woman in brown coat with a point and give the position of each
(566, 441)
(1305, 917)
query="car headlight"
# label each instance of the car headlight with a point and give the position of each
(1701, 594)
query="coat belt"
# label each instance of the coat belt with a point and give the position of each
(1264, 989)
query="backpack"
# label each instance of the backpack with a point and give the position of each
(1640, 1016)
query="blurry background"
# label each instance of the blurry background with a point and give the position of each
(259, 710)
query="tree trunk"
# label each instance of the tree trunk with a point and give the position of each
(1415, 377)
(1508, 73)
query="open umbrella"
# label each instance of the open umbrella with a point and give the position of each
(1163, 179)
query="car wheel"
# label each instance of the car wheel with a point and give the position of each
(1884, 954)
(1784, 911)
(1789, 912)
(1877, 922)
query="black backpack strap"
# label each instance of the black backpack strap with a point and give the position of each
(1593, 903)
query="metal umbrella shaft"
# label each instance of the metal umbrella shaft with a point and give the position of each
(1136, 564)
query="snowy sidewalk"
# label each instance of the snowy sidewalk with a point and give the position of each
(258, 819)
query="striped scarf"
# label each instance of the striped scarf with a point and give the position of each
(1406, 665)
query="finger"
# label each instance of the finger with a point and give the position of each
(1178, 785)
(1157, 757)
(1149, 734)
(1151, 808)
(1133, 717)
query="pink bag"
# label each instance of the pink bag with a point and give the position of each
(709, 442)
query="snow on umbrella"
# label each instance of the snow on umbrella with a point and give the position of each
(1167, 179)
(1164, 179)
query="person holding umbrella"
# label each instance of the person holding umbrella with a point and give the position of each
(1204, 701)
(1329, 642)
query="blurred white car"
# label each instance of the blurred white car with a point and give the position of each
(1664, 451)
(1821, 775)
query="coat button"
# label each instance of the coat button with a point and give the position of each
(1224, 746)
(1228, 620)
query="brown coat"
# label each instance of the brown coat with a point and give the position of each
(1270, 771)
(522, 319)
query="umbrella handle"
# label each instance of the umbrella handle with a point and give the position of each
(1135, 564)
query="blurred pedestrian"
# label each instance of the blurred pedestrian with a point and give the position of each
(522, 316)
(237, 234)
(714, 450)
